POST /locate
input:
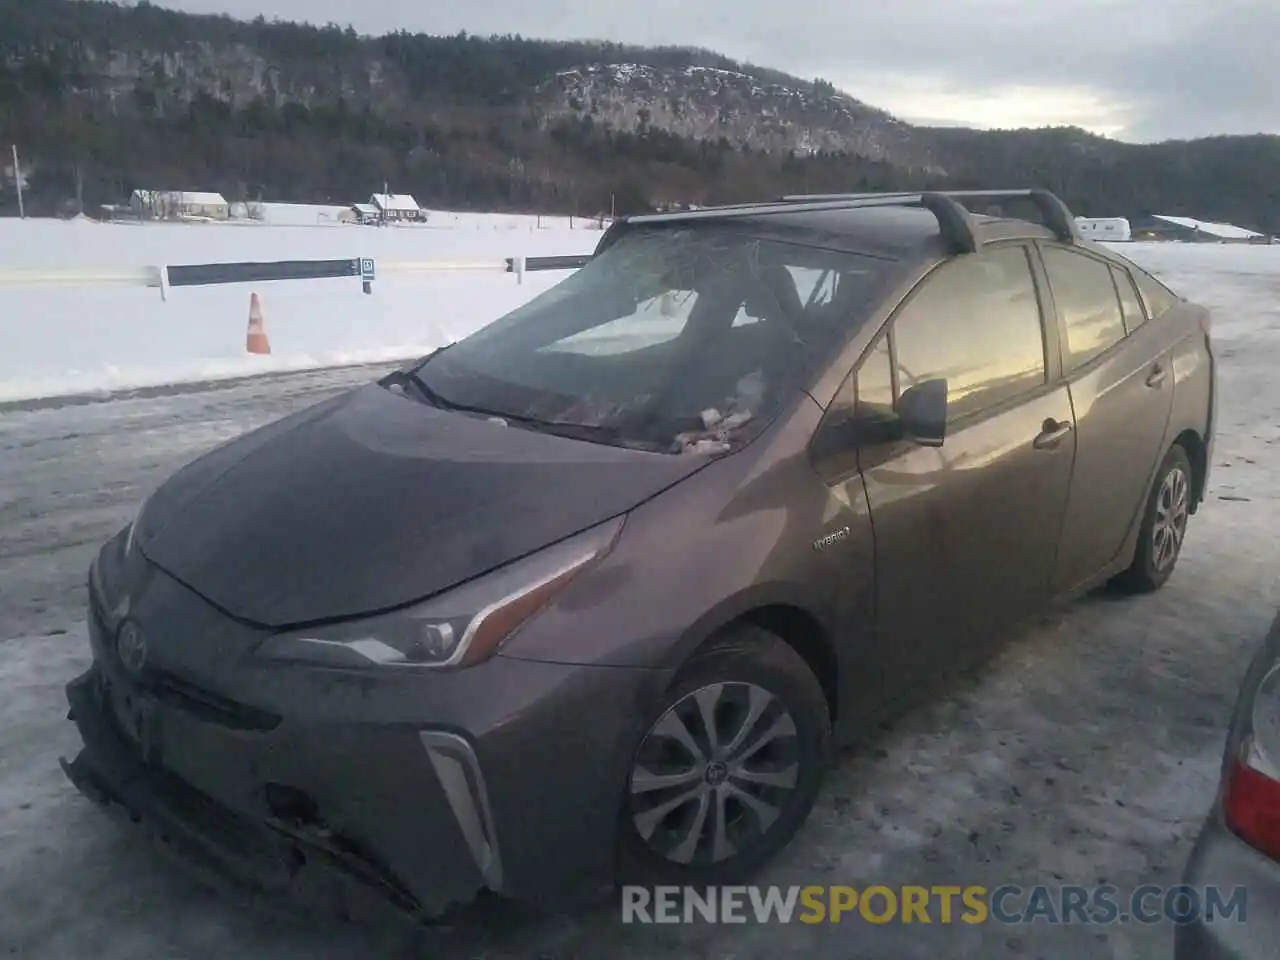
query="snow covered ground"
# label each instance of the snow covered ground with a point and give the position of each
(57, 340)
(1086, 753)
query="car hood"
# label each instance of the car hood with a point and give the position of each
(371, 500)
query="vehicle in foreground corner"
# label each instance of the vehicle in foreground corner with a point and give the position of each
(589, 595)
(1239, 845)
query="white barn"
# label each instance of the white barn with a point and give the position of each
(1211, 230)
(1104, 228)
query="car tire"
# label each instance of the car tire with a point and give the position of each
(1164, 526)
(753, 685)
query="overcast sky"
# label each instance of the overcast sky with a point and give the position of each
(1134, 69)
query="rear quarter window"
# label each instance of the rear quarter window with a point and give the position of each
(1130, 302)
(1156, 297)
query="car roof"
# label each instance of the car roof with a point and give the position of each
(883, 229)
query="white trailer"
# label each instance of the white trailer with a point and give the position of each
(1104, 228)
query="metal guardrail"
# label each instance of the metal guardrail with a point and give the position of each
(365, 269)
(204, 274)
(548, 263)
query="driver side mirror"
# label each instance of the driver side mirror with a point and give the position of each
(922, 412)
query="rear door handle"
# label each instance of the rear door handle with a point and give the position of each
(1156, 376)
(1052, 433)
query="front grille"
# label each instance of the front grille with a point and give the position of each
(207, 706)
(265, 852)
(175, 691)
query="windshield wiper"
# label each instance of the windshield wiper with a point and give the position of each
(405, 379)
(591, 432)
(415, 382)
(428, 394)
(594, 433)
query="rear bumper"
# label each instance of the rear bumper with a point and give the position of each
(1221, 861)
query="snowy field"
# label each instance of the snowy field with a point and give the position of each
(1086, 753)
(68, 339)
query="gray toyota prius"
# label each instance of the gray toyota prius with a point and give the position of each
(591, 595)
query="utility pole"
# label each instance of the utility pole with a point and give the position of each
(17, 180)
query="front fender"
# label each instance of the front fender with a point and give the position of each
(734, 537)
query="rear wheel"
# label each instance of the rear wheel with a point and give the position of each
(730, 766)
(1164, 526)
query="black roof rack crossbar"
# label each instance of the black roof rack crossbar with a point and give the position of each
(1057, 217)
(955, 221)
(810, 197)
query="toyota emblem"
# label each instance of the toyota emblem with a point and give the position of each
(131, 648)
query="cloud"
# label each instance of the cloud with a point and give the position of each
(1136, 69)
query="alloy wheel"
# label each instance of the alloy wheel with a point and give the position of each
(714, 773)
(1170, 526)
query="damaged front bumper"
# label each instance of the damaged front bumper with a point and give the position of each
(270, 861)
(307, 786)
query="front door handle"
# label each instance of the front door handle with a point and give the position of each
(1052, 433)
(1156, 376)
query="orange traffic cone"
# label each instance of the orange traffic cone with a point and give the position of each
(256, 341)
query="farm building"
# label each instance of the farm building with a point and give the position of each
(1104, 228)
(175, 204)
(397, 206)
(365, 213)
(1164, 227)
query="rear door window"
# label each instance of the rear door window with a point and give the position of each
(1087, 303)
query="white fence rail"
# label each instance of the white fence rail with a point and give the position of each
(79, 276)
(365, 269)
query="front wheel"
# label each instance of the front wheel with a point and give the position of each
(1164, 526)
(730, 766)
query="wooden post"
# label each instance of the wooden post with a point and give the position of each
(17, 180)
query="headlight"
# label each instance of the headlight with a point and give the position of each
(456, 629)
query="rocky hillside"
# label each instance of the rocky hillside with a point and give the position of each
(706, 103)
(104, 98)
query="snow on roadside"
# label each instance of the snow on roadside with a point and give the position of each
(57, 340)
(93, 339)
